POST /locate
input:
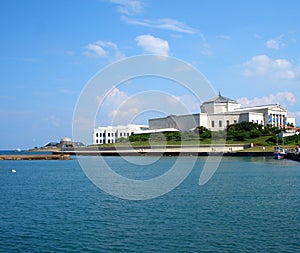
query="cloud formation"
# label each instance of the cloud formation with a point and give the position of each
(164, 23)
(275, 43)
(104, 49)
(119, 107)
(153, 45)
(128, 7)
(263, 65)
(283, 98)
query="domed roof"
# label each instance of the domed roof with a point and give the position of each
(65, 139)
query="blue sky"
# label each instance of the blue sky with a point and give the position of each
(50, 49)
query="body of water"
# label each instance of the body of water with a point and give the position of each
(249, 205)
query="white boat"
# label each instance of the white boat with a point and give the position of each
(279, 153)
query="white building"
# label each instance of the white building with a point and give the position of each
(110, 134)
(219, 112)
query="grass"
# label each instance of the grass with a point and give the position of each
(258, 142)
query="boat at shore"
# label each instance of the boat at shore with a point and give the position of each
(279, 153)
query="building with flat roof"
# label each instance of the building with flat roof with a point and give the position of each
(217, 113)
(111, 134)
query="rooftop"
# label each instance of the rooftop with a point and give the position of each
(220, 99)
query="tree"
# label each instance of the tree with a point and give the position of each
(241, 135)
(203, 132)
(254, 133)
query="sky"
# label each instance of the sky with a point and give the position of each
(49, 50)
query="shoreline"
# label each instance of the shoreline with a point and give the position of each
(153, 153)
(172, 150)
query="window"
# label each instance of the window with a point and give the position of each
(227, 122)
(108, 134)
(100, 134)
(212, 123)
(100, 141)
(108, 141)
(97, 141)
(120, 134)
(112, 134)
(97, 134)
(234, 121)
(220, 123)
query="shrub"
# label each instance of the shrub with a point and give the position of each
(254, 133)
(189, 136)
(157, 137)
(139, 137)
(241, 135)
(272, 140)
(173, 136)
(219, 135)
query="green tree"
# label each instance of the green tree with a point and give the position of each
(241, 135)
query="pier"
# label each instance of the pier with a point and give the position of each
(36, 157)
(293, 156)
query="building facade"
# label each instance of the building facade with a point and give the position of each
(219, 112)
(111, 134)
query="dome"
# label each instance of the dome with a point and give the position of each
(65, 139)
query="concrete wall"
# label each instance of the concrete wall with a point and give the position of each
(180, 122)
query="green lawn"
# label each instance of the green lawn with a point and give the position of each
(258, 143)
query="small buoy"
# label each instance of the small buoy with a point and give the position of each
(13, 171)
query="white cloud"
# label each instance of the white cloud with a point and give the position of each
(223, 37)
(119, 107)
(283, 98)
(263, 65)
(164, 23)
(128, 7)
(153, 45)
(104, 49)
(114, 97)
(275, 43)
(108, 105)
(272, 44)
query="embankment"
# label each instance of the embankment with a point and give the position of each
(188, 150)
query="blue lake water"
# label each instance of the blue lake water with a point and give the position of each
(249, 205)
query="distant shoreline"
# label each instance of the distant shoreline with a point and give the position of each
(172, 150)
(116, 153)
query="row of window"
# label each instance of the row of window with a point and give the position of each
(111, 134)
(221, 124)
(228, 123)
(102, 141)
